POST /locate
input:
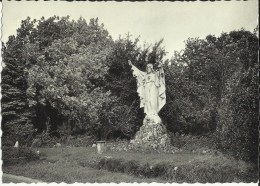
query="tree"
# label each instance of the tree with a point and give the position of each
(69, 76)
(214, 89)
(17, 117)
(238, 110)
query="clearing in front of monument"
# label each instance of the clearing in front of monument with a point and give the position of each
(83, 164)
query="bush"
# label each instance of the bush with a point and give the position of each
(78, 141)
(196, 172)
(46, 140)
(194, 142)
(11, 155)
(131, 167)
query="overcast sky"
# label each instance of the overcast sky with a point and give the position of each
(173, 21)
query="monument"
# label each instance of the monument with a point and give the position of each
(151, 90)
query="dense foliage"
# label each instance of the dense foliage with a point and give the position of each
(17, 117)
(70, 78)
(217, 91)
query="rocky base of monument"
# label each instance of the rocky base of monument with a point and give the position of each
(151, 136)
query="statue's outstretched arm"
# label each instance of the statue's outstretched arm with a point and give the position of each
(136, 71)
(130, 63)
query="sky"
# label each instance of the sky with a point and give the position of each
(174, 22)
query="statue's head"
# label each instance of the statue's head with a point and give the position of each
(149, 68)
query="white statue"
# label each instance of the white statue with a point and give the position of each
(150, 88)
(16, 145)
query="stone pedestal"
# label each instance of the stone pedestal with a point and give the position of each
(152, 135)
(100, 147)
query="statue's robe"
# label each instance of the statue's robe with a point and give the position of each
(151, 90)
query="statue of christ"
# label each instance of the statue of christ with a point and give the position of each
(150, 88)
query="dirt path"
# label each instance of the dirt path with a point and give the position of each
(9, 178)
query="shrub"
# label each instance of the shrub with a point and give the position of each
(131, 167)
(194, 142)
(78, 141)
(13, 155)
(46, 140)
(160, 170)
(195, 172)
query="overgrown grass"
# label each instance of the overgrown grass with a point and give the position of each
(85, 165)
(182, 168)
(63, 165)
(70, 172)
(11, 155)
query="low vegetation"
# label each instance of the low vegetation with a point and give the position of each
(83, 164)
(12, 155)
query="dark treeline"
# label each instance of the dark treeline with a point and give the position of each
(68, 78)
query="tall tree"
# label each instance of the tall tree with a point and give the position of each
(214, 88)
(17, 117)
(238, 110)
(69, 77)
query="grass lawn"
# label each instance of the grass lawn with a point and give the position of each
(73, 164)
